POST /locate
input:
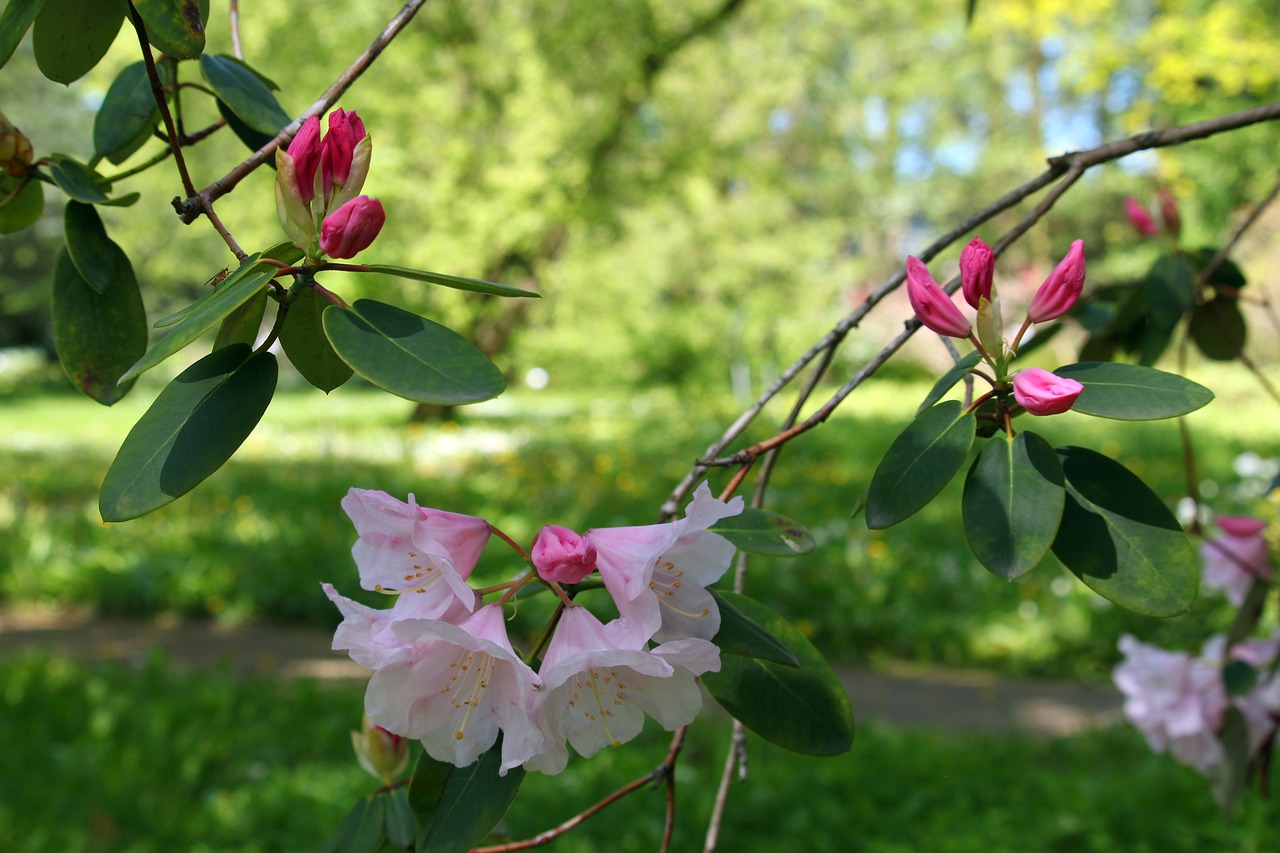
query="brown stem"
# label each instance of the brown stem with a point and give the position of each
(233, 24)
(1221, 255)
(735, 758)
(157, 92)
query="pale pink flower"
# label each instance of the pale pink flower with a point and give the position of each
(1043, 393)
(562, 556)
(367, 634)
(977, 269)
(1237, 558)
(1061, 289)
(595, 692)
(931, 303)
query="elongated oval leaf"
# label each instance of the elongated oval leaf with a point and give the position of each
(95, 255)
(23, 209)
(919, 463)
(1218, 328)
(1131, 392)
(70, 36)
(361, 831)
(253, 139)
(199, 420)
(1120, 539)
(769, 534)
(175, 27)
(472, 800)
(1012, 506)
(127, 116)
(76, 179)
(241, 325)
(15, 20)
(207, 311)
(475, 285)
(401, 825)
(739, 635)
(410, 356)
(97, 331)
(308, 349)
(949, 379)
(245, 93)
(803, 709)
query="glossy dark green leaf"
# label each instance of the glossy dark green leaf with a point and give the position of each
(97, 332)
(241, 325)
(919, 463)
(305, 343)
(474, 285)
(803, 709)
(23, 209)
(949, 379)
(122, 200)
(76, 179)
(740, 635)
(1226, 274)
(1120, 539)
(95, 255)
(1169, 291)
(15, 20)
(1218, 328)
(426, 786)
(411, 356)
(207, 311)
(1012, 504)
(70, 36)
(472, 801)
(252, 139)
(175, 27)
(1131, 392)
(127, 116)
(361, 831)
(196, 424)
(245, 93)
(401, 825)
(769, 534)
(1239, 678)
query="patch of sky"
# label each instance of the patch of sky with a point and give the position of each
(781, 119)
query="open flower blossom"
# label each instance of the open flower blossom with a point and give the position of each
(1061, 289)
(977, 271)
(1237, 558)
(596, 691)
(931, 303)
(1043, 393)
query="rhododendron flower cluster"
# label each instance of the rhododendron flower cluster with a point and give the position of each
(446, 673)
(1037, 391)
(1238, 558)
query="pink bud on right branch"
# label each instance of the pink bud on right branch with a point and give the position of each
(1061, 289)
(931, 303)
(350, 229)
(1043, 393)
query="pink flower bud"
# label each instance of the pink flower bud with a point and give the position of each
(1139, 217)
(345, 130)
(350, 229)
(305, 149)
(931, 303)
(562, 556)
(1169, 212)
(382, 754)
(1061, 289)
(977, 267)
(1043, 393)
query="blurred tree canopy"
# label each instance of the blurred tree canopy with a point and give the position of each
(701, 182)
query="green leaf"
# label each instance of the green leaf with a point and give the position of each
(739, 635)
(949, 379)
(207, 311)
(411, 356)
(1012, 505)
(76, 179)
(23, 209)
(1218, 328)
(70, 36)
(95, 255)
(402, 826)
(361, 830)
(252, 139)
(241, 325)
(1131, 392)
(474, 285)
(1120, 539)
(303, 340)
(471, 802)
(766, 533)
(175, 27)
(1168, 292)
(1229, 777)
(426, 786)
(244, 93)
(1239, 678)
(919, 463)
(127, 116)
(98, 332)
(15, 20)
(196, 424)
(803, 709)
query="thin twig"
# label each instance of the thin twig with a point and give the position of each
(1221, 255)
(190, 208)
(157, 92)
(736, 744)
(233, 24)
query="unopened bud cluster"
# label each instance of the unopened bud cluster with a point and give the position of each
(1145, 224)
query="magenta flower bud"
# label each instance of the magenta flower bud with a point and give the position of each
(345, 130)
(1169, 212)
(1139, 218)
(562, 556)
(305, 149)
(1043, 393)
(382, 754)
(1061, 289)
(350, 229)
(931, 303)
(977, 267)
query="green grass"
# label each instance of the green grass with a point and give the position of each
(112, 759)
